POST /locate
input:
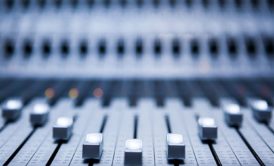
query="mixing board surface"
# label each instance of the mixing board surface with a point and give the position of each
(138, 110)
(136, 82)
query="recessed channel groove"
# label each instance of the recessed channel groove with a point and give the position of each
(135, 132)
(250, 147)
(269, 128)
(4, 126)
(54, 153)
(168, 126)
(20, 147)
(103, 125)
(216, 158)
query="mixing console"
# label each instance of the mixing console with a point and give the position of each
(134, 122)
(136, 82)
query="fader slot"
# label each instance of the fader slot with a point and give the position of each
(271, 125)
(67, 150)
(22, 132)
(262, 131)
(145, 132)
(220, 147)
(126, 132)
(173, 108)
(159, 135)
(258, 148)
(93, 126)
(47, 147)
(237, 145)
(26, 153)
(202, 151)
(111, 132)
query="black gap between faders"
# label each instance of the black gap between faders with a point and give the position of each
(216, 158)
(249, 147)
(135, 132)
(168, 126)
(269, 128)
(103, 125)
(54, 153)
(20, 147)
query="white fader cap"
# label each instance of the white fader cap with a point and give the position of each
(93, 146)
(62, 130)
(261, 111)
(233, 115)
(133, 151)
(12, 109)
(39, 114)
(175, 147)
(207, 128)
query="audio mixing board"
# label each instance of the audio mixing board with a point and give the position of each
(136, 82)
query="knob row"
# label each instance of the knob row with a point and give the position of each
(214, 46)
(238, 4)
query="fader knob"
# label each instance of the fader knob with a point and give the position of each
(261, 111)
(12, 109)
(133, 151)
(62, 130)
(93, 146)
(175, 147)
(233, 115)
(39, 115)
(207, 128)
